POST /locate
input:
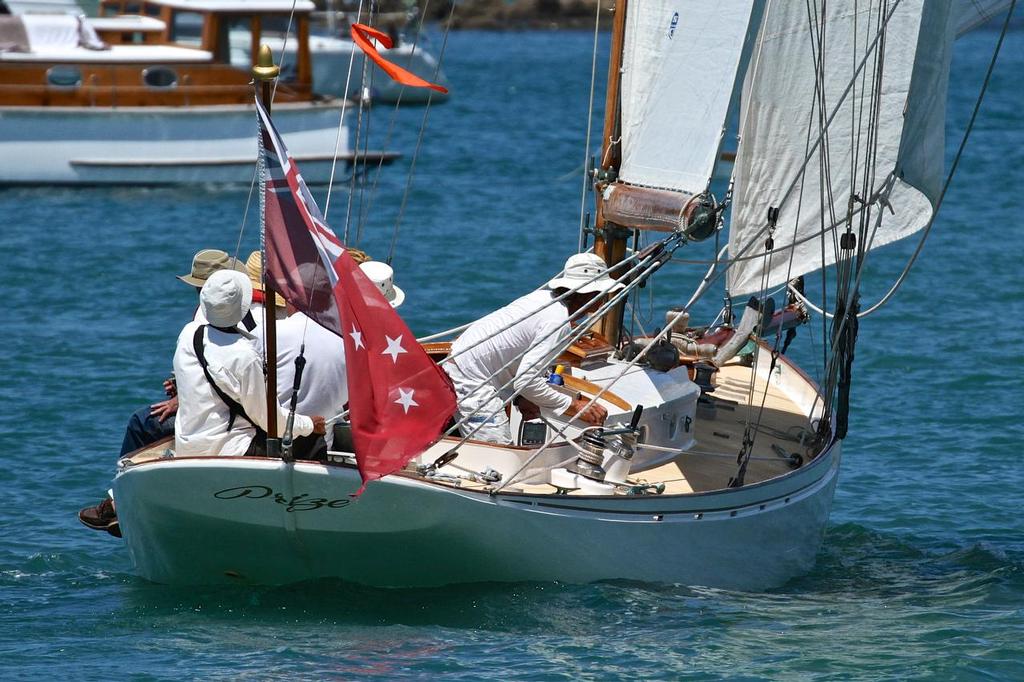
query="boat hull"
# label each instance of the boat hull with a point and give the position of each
(158, 145)
(223, 520)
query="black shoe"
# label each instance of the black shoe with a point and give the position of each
(101, 517)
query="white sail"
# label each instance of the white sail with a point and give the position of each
(779, 161)
(679, 65)
(970, 14)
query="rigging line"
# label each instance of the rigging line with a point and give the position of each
(650, 264)
(284, 49)
(419, 141)
(341, 118)
(741, 255)
(632, 363)
(463, 327)
(248, 202)
(800, 171)
(534, 370)
(590, 124)
(354, 167)
(273, 93)
(564, 296)
(952, 171)
(394, 119)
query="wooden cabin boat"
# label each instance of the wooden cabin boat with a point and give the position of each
(154, 98)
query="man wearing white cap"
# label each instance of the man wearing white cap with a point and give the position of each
(324, 388)
(490, 343)
(221, 391)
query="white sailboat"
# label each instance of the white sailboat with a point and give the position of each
(726, 476)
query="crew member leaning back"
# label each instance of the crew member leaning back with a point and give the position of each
(525, 335)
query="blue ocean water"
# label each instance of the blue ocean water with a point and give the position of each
(922, 572)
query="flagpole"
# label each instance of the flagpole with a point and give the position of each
(265, 72)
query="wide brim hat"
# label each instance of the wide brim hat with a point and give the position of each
(383, 276)
(585, 273)
(207, 262)
(226, 298)
(254, 268)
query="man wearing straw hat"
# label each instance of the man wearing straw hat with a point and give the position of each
(510, 349)
(222, 394)
(153, 422)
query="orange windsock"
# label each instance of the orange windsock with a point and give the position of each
(361, 35)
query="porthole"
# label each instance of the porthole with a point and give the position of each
(64, 76)
(160, 77)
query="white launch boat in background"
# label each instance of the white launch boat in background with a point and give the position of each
(153, 99)
(725, 477)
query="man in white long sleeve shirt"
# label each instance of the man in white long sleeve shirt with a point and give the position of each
(206, 423)
(524, 335)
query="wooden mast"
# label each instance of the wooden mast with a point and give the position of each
(264, 72)
(609, 239)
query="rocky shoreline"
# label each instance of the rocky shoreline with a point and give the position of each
(521, 14)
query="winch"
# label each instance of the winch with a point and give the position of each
(588, 472)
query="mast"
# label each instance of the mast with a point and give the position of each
(264, 72)
(610, 239)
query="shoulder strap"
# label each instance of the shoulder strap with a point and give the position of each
(234, 408)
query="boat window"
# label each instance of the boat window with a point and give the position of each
(234, 42)
(64, 76)
(160, 77)
(187, 28)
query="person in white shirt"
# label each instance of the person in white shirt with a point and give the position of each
(324, 385)
(481, 385)
(219, 414)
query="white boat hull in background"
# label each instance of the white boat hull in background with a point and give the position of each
(221, 520)
(331, 58)
(159, 145)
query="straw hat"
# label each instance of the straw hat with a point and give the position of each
(225, 298)
(254, 268)
(579, 270)
(383, 276)
(207, 262)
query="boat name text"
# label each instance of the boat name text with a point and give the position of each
(301, 502)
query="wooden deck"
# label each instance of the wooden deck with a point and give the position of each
(712, 462)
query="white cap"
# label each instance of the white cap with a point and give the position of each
(579, 270)
(226, 298)
(383, 276)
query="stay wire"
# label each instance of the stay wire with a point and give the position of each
(392, 123)
(590, 125)
(419, 142)
(953, 168)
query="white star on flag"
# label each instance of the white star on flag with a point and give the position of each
(405, 399)
(357, 337)
(394, 348)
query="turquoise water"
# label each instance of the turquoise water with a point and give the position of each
(922, 571)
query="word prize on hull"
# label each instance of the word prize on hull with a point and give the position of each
(155, 98)
(714, 457)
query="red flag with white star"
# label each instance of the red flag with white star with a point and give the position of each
(399, 399)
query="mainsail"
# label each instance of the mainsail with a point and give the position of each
(847, 118)
(679, 63)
